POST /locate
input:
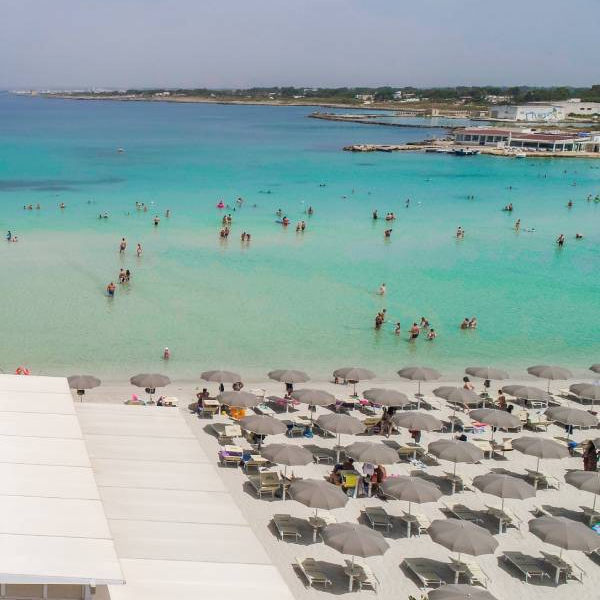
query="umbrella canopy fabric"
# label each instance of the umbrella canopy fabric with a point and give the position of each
(495, 418)
(595, 368)
(417, 421)
(263, 425)
(587, 481)
(540, 447)
(221, 376)
(486, 373)
(565, 533)
(353, 373)
(289, 376)
(526, 392)
(386, 397)
(83, 382)
(287, 454)
(457, 395)
(316, 493)
(340, 423)
(463, 537)
(504, 486)
(411, 489)
(239, 399)
(572, 416)
(589, 391)
(150, 380)
(460, 591)
(355, 539)
(374, 453)
(419, 373)
(456, 451)
(549, 372)
(313, 397)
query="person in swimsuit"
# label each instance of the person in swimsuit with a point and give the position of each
(110, 289)
(156, 221)
(122, 245)
(139, 250)
(414, 332)
(431, 334)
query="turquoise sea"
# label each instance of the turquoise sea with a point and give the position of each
(286, 299)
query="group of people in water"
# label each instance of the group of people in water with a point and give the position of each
(124, 274)
(11, 237)
(415, 329)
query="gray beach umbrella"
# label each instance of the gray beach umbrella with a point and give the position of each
(288, 456)
(565, 533)
(586, 481)
(318, 493)
(372, 452)
(83, 382)
(540, 447)
(456, 451)
(496, 418)
(385, 397)
(313, 397)
(572, 416)
(504, 486)
(419, 374)
(354, 375)
(588, 391)
(417, 421)
(263, 425)
(486, 373)
(462, 537)
(595, 368)
(526, 392)
(239, 399)
(411, 489)
(289, 376)
(460, 591)
(340, 423)
(221, 376)
(150, 380)
(549, 372)
(457, 395)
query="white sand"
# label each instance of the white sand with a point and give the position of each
(505, 583)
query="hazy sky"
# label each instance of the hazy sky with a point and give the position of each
(241, 43)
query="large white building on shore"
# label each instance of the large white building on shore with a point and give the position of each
(541, 112)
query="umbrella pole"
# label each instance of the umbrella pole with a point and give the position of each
(537, 467)
(454, 471)
(419, 388)
(351, 576)
(502, 505)
(337, 452)
(453, 415)
(594, 505)
(409, 508)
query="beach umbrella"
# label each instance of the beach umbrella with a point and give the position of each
(526, 392)
(339, 423)
(456, 396)
(150, 381)
(372, 452)
(486, 373)
(565, 533)
(456, 451)
(288, 456)
(355, 540)
(417, 421)
(82, 383)
(462, 537)
(595, 368)
(289, 376)
(549, 372)
(263, 425)
(419, 374)
(385, 397)
(587, 481)
(573, 417)
(589, 391)
(318, 493)
(313, 397)
(411, 489)
(495, 418)
(460, 591)
(540, 448)
(239, 399)
(221, 376)
(504, 486)
(353, 374)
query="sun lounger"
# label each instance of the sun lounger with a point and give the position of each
(484, 445)
(267, 482)
(286, 527)
(322, 456)
(424, 571)
(562, 566)
(474, 574)
(378, 517)
(540, 511)
(255, 461)
(226, 432)
(538, 422)
(462, 512)
(264, 409)
(365, 578)
(529, 566)
(296, 429)
(504, 518)
(308, 568)
(502, 447)
(543, 478)
(371, 424)
(422, 523)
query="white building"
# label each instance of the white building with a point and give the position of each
(534, 113)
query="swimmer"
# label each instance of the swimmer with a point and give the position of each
(414, 332)
(375, 215)
(310, 210)
(382, 289)
(397, 328)
(570, 204)
(473, 323)
(517, 224)
(578, 236)
(168, 213)
(465, 323)
(9, 235)
(560, 240)
(387, 233)
(285, 222)
(156, 221)
(407, 202)
(460, 232)
(62, 205)
(138, 250)
(424, 324)
(110, 289)
(279, 212)
(166, 353)
(432, 334)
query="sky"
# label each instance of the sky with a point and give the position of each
(73, 44)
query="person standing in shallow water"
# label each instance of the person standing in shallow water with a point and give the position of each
(122, 246)
(139, 250)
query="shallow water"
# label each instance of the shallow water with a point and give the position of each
(286, 299)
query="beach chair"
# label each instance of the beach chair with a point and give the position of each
(264, 409)
(538, 422)
(506, 517)
(322, 456)
(267, 482)
(462, 512)
(540, 511)
(422, 523)
(378, 517)
(230, 458)
(259, 392)
(424, 571)
(569, 569)
(296, 429)
(523, 416)
(371, 424)
(286, 527)
(474, 574)
(528, 566)
(484, 445)
(308, 568)
(226, 432)
(365, 578)
(502, 447)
